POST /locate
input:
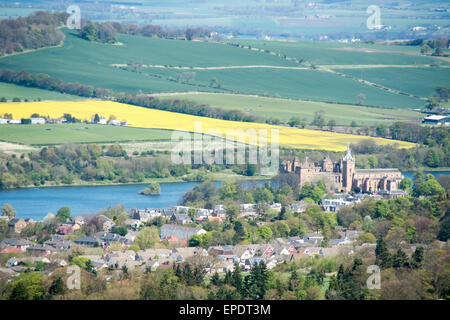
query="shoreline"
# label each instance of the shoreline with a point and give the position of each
(215, 177)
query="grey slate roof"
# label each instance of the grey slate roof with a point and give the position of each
(183, 233)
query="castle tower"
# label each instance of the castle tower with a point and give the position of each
(327, 164)
(348, 170)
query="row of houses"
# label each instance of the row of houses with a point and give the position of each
(55, 244)
(222, 258)
(101, 120)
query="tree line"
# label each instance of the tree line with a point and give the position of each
(70, 164)
(107, 32)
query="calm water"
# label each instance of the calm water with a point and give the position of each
(36, 203)
(434, 173)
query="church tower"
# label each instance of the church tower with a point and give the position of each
(348, 170)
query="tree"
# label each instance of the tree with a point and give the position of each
(400, 259)
(152, 189)
(63, 214)
(147, 237)
(120, 230)
(331, 124)
(236, 278)
(444, 232)
(417, 258)
(265, 233)
(381, 130)
(319, 119)
(383, 257)
(367, 237)
(295, 121)
(406, 184)
(425, 49)
(57, 287)
(256, 282)
(115, 150)
(240, 234)
(27, 286)
(8, 210)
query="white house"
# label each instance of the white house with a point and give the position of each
(37, 121)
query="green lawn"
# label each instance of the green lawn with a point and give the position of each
(285, 109)
(77, 133)
(10, 91)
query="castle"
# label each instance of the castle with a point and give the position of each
(343, 176)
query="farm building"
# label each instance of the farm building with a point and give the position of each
(436, 119)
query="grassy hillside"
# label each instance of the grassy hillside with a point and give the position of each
(285, 109)
(77, 133)
(91, 63)
(150, 118)
(10, 91)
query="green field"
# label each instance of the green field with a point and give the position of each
(297, 84)
(420, 81)
(285, 109)
(334, 53)
(77, 133)
(91, 63)
(10, 91)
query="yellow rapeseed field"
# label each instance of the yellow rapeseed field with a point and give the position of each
(150, 118)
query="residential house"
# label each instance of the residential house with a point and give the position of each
(41, 249)
(64, 229)
(12, 262)
(145, 215)
(180, 218)
(247, 208)
(299, 207)
(18, 243)
(16, 225)
(59, 243)
(106, 223)
(334, 205)
(79, 220)
(313, 238)
(89, 241)
(133, 224)
(275, 206)
(181, 209)
(181, 232)
(37, 121)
